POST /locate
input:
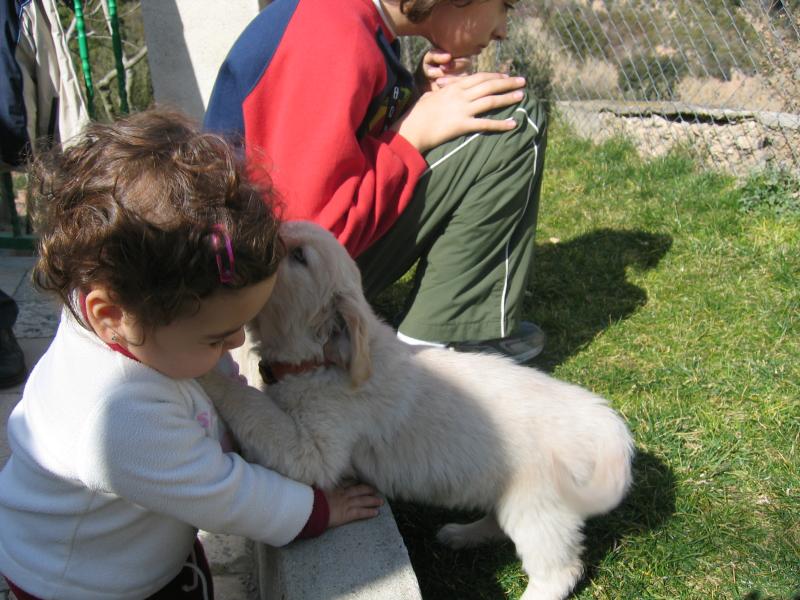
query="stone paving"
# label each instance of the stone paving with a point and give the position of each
(230, 557)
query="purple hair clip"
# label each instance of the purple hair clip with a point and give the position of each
(220, 239)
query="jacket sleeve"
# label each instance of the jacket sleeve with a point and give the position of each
(145, 447)
(13, 121)
(300, 122)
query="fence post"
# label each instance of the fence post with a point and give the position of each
(83, 51)
(186, 47)
(117, 44)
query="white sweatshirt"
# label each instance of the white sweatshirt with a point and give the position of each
(113, 468)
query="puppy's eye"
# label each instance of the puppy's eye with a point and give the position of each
(298, 255)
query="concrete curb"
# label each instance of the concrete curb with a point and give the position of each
(366, 560)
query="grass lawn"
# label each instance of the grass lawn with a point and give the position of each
(657, 291)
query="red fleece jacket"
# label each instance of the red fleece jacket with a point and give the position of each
(307, 87)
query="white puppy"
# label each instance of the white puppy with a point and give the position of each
(464, 431)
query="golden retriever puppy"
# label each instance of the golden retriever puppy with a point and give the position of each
(467, 431)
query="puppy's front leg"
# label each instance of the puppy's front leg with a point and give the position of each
(270, 437)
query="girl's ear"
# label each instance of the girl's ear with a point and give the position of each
(107, 318)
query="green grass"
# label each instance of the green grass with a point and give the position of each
(659, 292)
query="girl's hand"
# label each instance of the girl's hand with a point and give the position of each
(352, 503)
(451, 111)
(438, 68)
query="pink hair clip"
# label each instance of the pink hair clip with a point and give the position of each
(220, 239)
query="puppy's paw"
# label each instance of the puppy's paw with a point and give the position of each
(554, 584)
(456, 536)
(467, 536)
(471, 534)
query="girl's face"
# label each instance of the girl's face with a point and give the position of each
(466, 30)
(191, 346)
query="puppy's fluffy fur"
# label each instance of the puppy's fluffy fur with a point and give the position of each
(470, 431)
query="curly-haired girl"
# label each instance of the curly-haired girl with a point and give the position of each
(160, 250)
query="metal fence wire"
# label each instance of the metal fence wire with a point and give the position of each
(718, 77)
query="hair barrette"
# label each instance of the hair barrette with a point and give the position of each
(221, 240)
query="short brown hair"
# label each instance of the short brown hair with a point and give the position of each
(419, 10)
(134, 207)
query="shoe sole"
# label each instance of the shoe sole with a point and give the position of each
(526, 356)
(517, 358)
(499, 348)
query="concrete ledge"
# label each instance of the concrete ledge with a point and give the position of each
(231, 561)
(366, 560)
(187, 41)
(684, 110)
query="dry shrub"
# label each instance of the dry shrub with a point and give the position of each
(591, 79)
(747, 92)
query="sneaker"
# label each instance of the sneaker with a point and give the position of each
(12, 361)
(521, 346)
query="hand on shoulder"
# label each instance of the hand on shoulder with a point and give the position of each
(453, 110)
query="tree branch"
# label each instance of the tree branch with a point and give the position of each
(130, 63)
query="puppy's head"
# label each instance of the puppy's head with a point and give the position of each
(317, 310)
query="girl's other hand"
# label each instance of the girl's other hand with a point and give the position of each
(352, 503)
(438, 68)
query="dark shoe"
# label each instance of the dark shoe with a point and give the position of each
(12, 361)
(521, 346)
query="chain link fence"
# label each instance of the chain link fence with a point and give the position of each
(719, 77)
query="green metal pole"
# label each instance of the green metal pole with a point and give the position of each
(117, 43)
(83, 50)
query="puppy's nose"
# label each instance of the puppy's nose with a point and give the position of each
(298, 255)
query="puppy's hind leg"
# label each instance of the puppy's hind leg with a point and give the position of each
(548, 539)
(471, 534)
(550, 553)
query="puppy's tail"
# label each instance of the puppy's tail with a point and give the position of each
(596, 482)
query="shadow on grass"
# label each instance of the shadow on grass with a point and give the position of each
(581, 286)
(492, 571)
(578, 288)
(470, 574)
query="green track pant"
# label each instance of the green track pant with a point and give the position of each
(471, 225)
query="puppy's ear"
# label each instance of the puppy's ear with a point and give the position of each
(349, 348)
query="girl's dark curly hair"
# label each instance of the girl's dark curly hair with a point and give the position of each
(133, 207)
